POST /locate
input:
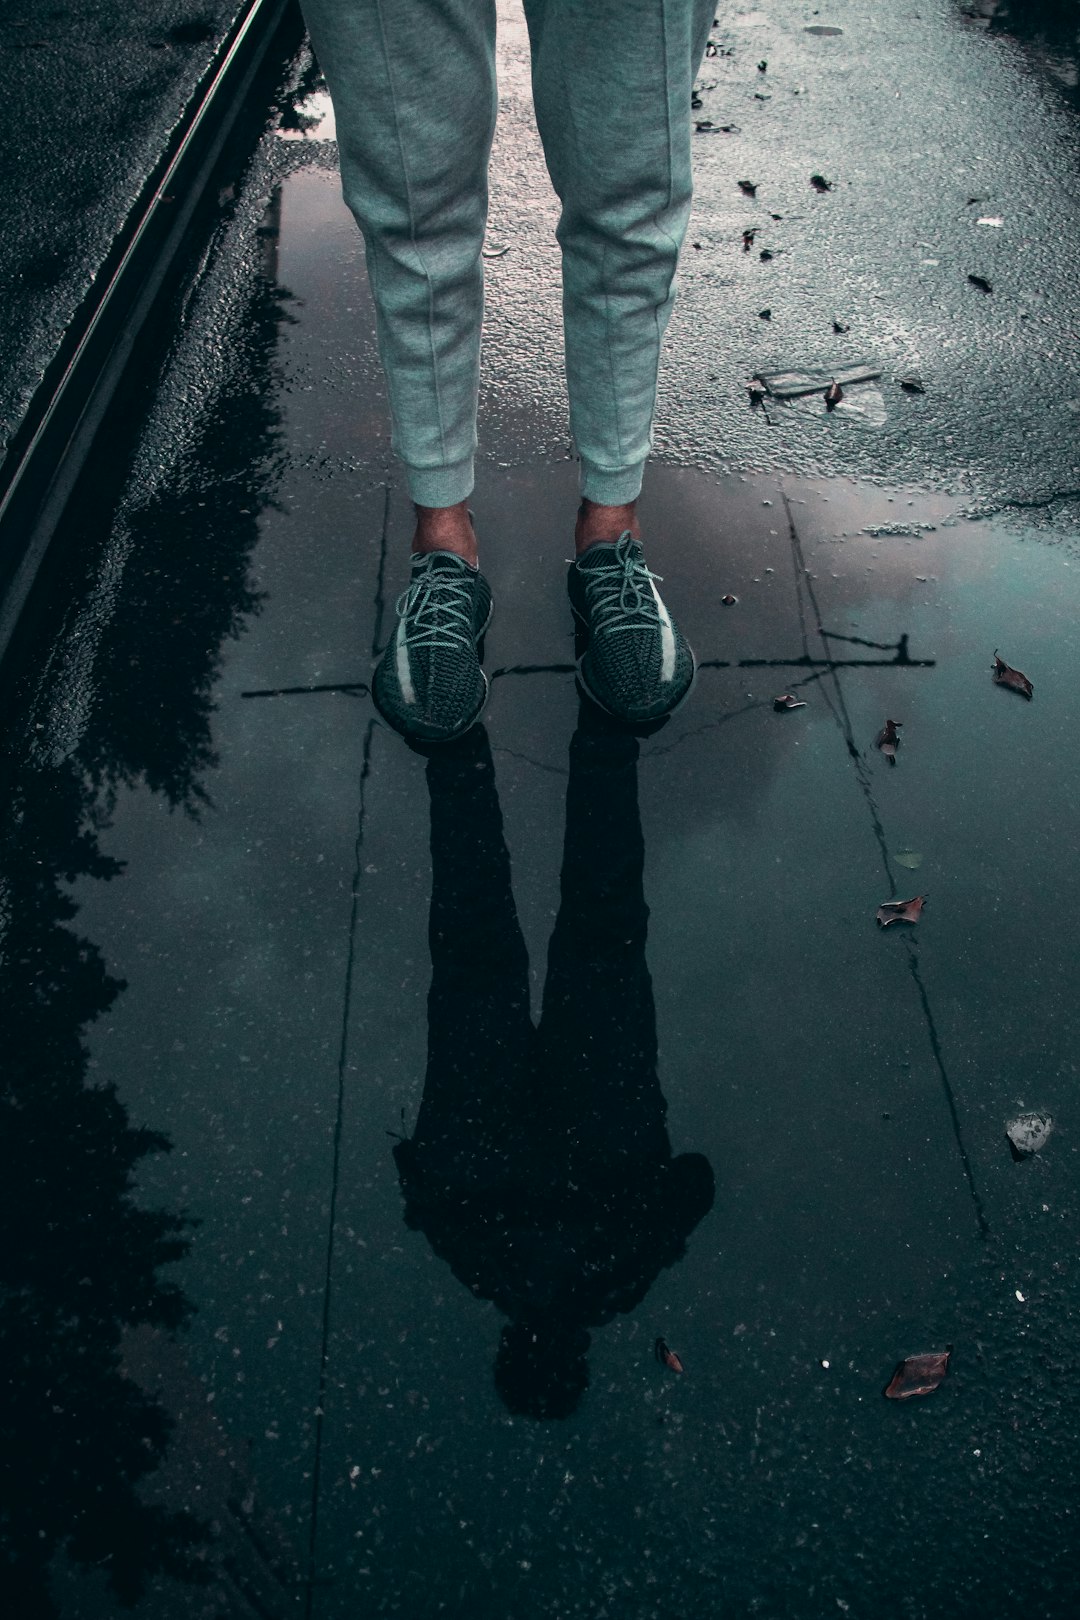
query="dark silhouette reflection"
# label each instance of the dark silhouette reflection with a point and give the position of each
(84, 1422)
(540, 1168)
(79, 1258)
(186, 589)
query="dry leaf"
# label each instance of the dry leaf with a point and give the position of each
(765, 314)
(893, 911)
(729, 600)
(786, 701)
(918, 1375)
(980, 282)
(839, 327)
(1012, 678)
(748, 240)
(667, 1358)
(833, 395)
(819, 182)
(748, 188)
(887, 740)
(766, 255)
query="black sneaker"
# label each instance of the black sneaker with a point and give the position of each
(428, 684)
(638, 665)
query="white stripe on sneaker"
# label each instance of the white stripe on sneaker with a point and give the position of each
(403, 667)
(667, 638)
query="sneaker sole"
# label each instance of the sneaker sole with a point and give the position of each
(445, 736)
(647, 720)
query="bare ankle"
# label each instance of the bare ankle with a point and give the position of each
(445, 528)
(596, 523)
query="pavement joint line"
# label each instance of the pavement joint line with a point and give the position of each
(901, 661)
(335, 1174)
(804, 582)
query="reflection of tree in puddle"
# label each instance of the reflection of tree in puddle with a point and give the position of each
(185, 588)
(81, 1259)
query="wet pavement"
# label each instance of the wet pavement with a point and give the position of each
(91, 92)
(263, 1357)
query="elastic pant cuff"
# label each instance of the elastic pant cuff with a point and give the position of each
(611, 486)
(440, 486)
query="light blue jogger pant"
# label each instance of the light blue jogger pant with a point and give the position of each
(413, 85)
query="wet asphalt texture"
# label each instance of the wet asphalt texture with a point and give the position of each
(91, 91)
(263, 964)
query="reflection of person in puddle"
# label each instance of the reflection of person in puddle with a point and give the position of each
(540, 1168)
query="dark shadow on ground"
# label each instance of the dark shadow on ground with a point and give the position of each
(540, 1168)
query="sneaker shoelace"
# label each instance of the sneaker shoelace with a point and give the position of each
(437, 609)
(620, 596)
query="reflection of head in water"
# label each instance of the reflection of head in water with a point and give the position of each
(540, 1367)
(540, 1168)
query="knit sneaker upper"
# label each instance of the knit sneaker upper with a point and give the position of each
(638, 665)
(428, 683)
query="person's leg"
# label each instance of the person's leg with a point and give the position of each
(414, 97)
(612, 82)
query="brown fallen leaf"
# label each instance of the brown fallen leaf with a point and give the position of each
(893, 911)
(667, 1358)
(729, 600)
(833, 395)
(748, 188)
(888, 741)
(766, 255)
(918, 1375)
(748, 240)
(765, 314)
(840, 327)
(756, 392)
(819, 182)
(1014, 679)
(981, 282)
(786, 701)
(703, 124)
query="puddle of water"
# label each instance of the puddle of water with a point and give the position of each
(663, 1076)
